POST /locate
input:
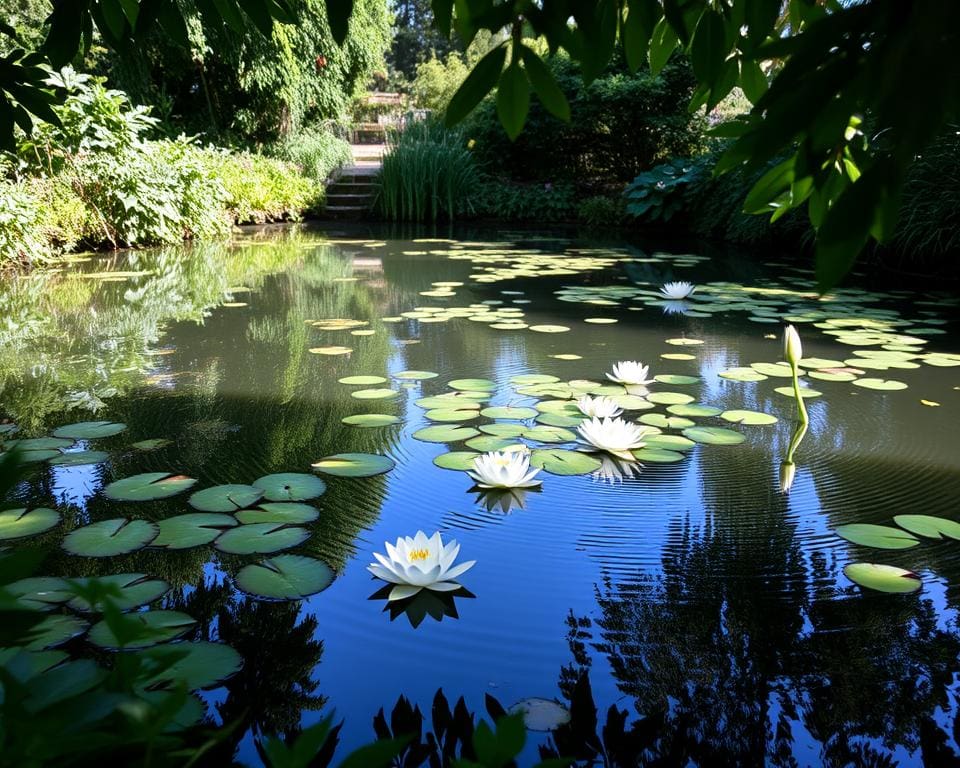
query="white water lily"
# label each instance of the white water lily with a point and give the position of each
(504, 469)
(613, 470)
(630, 372)
(792, 347)
(598, 407)
(676, 307)
(419, 563)
(678, 290)
(615, 436)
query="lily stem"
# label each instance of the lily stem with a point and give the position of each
(801, 406)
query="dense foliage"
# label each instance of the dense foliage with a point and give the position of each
(416, 38)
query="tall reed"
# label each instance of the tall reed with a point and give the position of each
(428, 174)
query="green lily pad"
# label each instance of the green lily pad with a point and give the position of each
(668, 442)
(355, 464)
(457, 460)
(504, 430)
(742, 374)
(694, 410)
(136, 589)
(508, 412)
(195, 665)
(279, 512)
(442, 433)
(291, 486)
(558, 461)
(23, 522)
(547, 434)
(883, 578)
(458, 403)
(449, 415)
(152, 444)
(560, 420)
(473, 384)
(657, 455)
(108, 538)
(285, 577)
(41, 444)
(371, 420)
(365, 381)
(879, 536)
(838, 376)
(487, 443)
(32, 457)
(541, 715)
(260, 538)
(79, 458)
(225, 498)
(192, 530)
(669, 398)
(158, 627)
(40, 593)
(54, 630)
(415, 375)
(632, 402)
(89, 430)
(884, 385)
(665, 422)
(819, 362)
(526, 379)
(374, 394)
(929, 526)
(750, 418)
(780, 370)
(805, 392)
(675, 378)
(148, 486)
(714, 435)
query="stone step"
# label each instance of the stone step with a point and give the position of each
(341, 187)
(336, 197)
(346, 211)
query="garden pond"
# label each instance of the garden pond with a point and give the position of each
(703, 588)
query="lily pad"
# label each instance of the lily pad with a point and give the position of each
(451, 414)
(839, 376)
(158, 627)
(714, 435)
(332, 350)
(54, 630)
(291, 486)
(694, 410)
(780, 370)
(750, 418)
(41, 444)
(79, 458)
(279, 512)
(558, 461)
(136, 589)
(148, 486)
(108, 538)
(415, 375)
(508, 412)
(805, 392)
(675, 378)
(285, 577)
(929, 526)
(32, 457)
(547, 434)
(487, 443)
(669, 398)
(152, 444)
(89, 430)
(884, 385)
(879, 536)
(195, 665)
(192, 530)
(549, 328)
(371, 420)
(374, 394)
(40, 593)
(445, 434)
(657, 455)
(260, 538)
(541, 714)
(225, 498)
(742, 374)
(665, 422)
(560, 419)
(457, 460)
(355, 464)
(481, 385)
(883, 578)
(504, 430)
(525, 379)
(459, 402)
(365, 381)
(668, 442)
(23, 522)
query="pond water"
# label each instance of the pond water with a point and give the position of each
(690, 588)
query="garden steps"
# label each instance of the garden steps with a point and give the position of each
(351, 194)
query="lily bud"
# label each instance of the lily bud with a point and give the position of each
(788, 471)
(792, 348)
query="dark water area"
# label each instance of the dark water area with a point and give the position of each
(693, 590)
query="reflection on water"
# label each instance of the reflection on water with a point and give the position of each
(699, 594)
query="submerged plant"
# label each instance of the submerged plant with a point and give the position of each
(504, 469)
(792, 353)
(418, 562)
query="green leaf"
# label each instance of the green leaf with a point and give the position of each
(225, 498)
(379, 754)
(559, 461)
(285, 577)
(879, 536)
(753, 81)
(929, 526)
(63, 38)
(544, 84)
(642, 17)
(260, 538)
(196, 665)
(663, 42)
(883, 578)
(355, 464)
(148, 486)
(291, 486)
(155, 627)
(194, 529)
(478, 84)
(769, 187)
(20, 523)
(513, 99)
(442, 14)
(108, 538)
(709, 48)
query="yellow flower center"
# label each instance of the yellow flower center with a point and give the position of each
(503, 461)
(419, 554)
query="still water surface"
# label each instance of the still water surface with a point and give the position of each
(695, 590)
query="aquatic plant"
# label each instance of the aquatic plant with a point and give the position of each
(504, 469)
(598, 407)
(630, 372)
(793, 352)
(616, 436)
(677, 290)
(418, 562)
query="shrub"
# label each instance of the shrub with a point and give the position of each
(317, 153)
(23, 239)
(437, 81)
(510, 201)
(660, 193)
(261, 189)
(602, 211)
(428, 173)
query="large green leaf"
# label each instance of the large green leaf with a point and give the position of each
(513, 99)
(136, 589)
(79, 458)
(156, 626)
(285, 577)
(444, 434)
(23, 522)
(89, 430)
(548, 91)
(195, 665)
(192, 530)
(929, 526)
(880, 536)
(279, 512)
(225, 498)
(291, 486)
(563, 462)
(260, 538)
(54, 630)
(478, 84)
(108, 538)
(355, 465)
(883, 578)
(713, 435)
(148, 486)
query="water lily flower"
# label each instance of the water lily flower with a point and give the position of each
(676, 307)
(630, 372)
(678, 290)
(613, 470)
(504, 469)
(598, 407)
(615, 436)
(792, 347)
(419, 563)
